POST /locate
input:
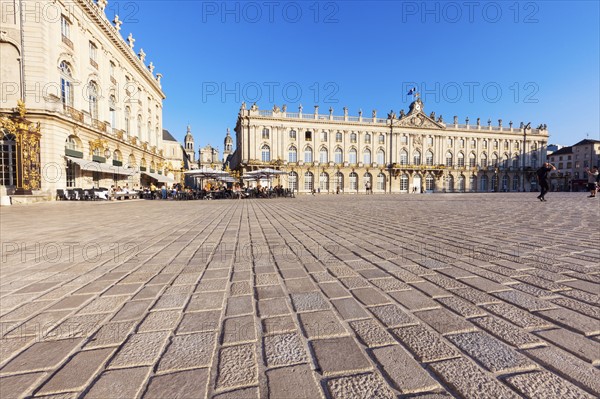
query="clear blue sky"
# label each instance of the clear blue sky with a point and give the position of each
(535, 61)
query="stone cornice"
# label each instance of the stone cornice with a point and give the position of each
(98, 16)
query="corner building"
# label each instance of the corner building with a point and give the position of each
(90, 93)
(412, 152)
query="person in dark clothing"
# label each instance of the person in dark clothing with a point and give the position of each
(542, 175)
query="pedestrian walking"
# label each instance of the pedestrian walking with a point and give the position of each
(542, 176)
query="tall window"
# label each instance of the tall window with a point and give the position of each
(93, 99)
(70, 174)
(515, 183)
(483, 185)
(380, 157)
(8, 160)
(308, 154)
(93, 55)
(429, 183)
(485, 144)
(368, 178)
(66, 79)
(381, 138)
(323, 155)
(461, 183)
(367, 138)
(403, 139)
(448, 158)
(381, 182)
(515, 161)
(429, 158)
(65, 27)
(534, 161)
(495, 160)
(404, 182)
(139, 127)
(149, 133)
(339, 155)
(460, 159)
(472, 160)
(324, 181)
(429, 141)
(265, 153)
(308, 136)
(293, 181)
(292, 135)
(505, 183)
(308, 181)
(338, 137)
(112, 69)
(367, 156)
(353, 137)
(352, 156)
(403, 157)
(473, 183)
(128, 121)
(450, 183)
(473, 143)
(353, 181)
(417, 158)
(324, 136)
(265, 134)
(292, 154)
(338, 181)
(484, 160)
(112, 110)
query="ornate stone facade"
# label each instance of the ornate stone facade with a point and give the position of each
(412, 152)
(96, 102)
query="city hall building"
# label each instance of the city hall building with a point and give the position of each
(405, 153)
(80, 105)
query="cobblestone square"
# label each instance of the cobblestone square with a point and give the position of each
(353, 296)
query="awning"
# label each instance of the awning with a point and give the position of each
(93, 166)
(159, 178)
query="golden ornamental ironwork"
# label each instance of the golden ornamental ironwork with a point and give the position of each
(98, 144)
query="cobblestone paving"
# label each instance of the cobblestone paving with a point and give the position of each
(430, 296)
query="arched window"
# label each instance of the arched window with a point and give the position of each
(461, 183)
(265, 153)
(308, 154)
(429, 183)
(484, 160)
(448, 158)
(324, 181)
(495, 160)
(494, 184)
(403, 157)
(404, 182)
(381, 182)
(338, 181)
(131, 161)
(461, 160)
(265, 134)
(353, 181)
(353, 137)
(66, 84)
(308, 181)
(367, 156)
(292, 154)
(472, 160)
(8, 159)
(338, 137)
(367, 138)
(505, 183)
(505, 160)
(380, 157)
(339, 155)
(368, 178)
(417, 158)
(323, 155)
(450, 182)
(515, 161)
(149, 133)
(92, 92)
(429, 158)
(117, 156)
(352, 156)
(112, 110)
(293, 181)
(473, 183)
(72, 143)
(483, 186)
(128, 121)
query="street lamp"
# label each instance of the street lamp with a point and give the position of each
(525, 127)
(392, 118)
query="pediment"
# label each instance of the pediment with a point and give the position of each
(419, 120)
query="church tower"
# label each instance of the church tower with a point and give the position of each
(228, 146)
(189, 145)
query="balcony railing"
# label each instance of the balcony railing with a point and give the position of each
(67, 41)
(73, 113)
(99, 125)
